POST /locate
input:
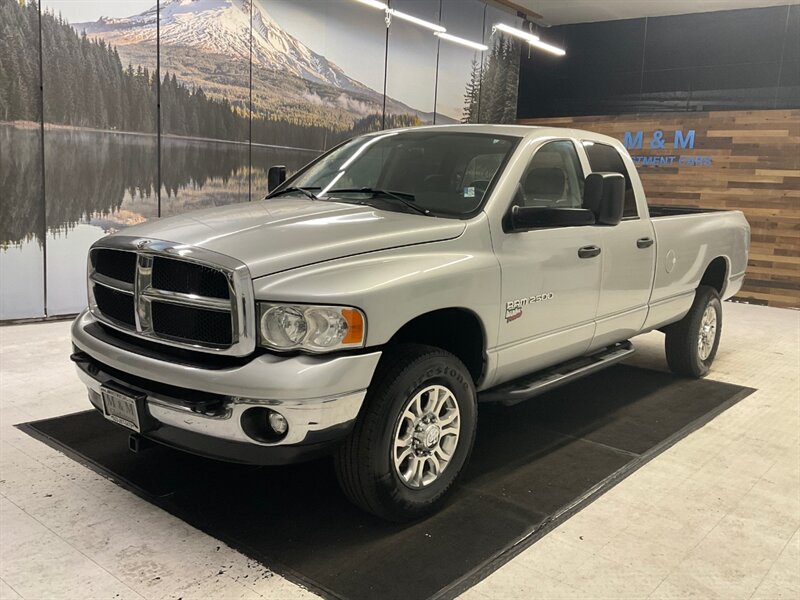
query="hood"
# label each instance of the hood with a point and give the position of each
(285, 233)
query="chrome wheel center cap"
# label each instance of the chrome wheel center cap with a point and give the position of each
(432, 436)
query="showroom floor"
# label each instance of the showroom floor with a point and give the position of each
(715, 516)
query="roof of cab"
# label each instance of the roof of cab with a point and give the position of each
(522, 131)
(516, 130)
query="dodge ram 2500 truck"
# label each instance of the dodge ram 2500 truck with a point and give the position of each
(373, 299)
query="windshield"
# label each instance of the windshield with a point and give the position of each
(442, 173)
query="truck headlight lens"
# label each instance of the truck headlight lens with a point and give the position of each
(311, 328)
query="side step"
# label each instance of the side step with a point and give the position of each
(529, 386)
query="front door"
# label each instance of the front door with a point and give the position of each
(549, 291)
(629, 252)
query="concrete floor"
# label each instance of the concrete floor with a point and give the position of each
(716, 516)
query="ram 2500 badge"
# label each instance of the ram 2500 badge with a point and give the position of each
(369, 303)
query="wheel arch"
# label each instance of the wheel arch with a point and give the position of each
(716, 274)
(457, 330)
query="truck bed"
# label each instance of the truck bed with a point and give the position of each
(687, 240)
(662, 210)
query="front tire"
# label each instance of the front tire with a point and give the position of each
(413, 436)
(691, 343)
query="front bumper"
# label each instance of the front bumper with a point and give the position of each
(200, 409)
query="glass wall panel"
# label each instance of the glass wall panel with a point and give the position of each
(458, 82)
(318, 77)
(22, 229)
(100, 143)
(500, 70)
(411, 66)
(205, 95)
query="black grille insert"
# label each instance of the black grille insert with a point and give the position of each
(185, 323)
(116, 264)
(189, 278)
(115, 305)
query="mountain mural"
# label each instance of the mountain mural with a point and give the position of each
(223, 27)
(291, 82)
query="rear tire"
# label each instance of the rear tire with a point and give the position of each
(691, 343)
(413, 436)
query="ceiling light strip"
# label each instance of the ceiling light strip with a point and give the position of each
(524, 35)
(416, 20)
(462, 41)
(532, 39)
(440, 31)
(548, 47)
(374, 4)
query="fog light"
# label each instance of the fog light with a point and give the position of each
(264, 424)
(277, 422)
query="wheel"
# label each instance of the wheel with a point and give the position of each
(691, 343)
(413, 436)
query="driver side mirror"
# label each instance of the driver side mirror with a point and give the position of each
(604, 195)
(275, 176)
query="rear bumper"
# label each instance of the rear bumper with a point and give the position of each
(200, 409)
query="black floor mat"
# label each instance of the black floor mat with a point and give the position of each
(533, 466)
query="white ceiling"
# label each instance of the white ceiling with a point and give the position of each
(558, 12)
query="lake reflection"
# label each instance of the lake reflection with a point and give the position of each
(98, 183)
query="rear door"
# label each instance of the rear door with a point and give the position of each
(549, 293)
(628, 263)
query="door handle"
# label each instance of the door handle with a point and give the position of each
(589, 251)
(645, 242)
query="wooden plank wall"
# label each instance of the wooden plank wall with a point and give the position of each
(755, 168)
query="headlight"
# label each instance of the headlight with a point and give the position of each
(312, 328)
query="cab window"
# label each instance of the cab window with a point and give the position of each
(446, 172)
(605, 159)
(553, 179)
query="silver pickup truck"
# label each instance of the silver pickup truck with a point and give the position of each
(373, 299)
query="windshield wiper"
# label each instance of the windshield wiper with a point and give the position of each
(303, 190)
(404, 198)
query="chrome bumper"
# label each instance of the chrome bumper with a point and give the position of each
(314, 393)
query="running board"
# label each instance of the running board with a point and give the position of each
(529, 386)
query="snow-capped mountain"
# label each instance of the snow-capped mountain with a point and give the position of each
(223, 27)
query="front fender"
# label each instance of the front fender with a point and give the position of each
(394, 286)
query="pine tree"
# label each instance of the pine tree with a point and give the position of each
(472, 94)
(511, 85)
(489, 84)
(500, 75)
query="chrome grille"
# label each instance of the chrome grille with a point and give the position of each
(178, 295)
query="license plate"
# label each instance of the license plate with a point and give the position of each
(120, 408)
